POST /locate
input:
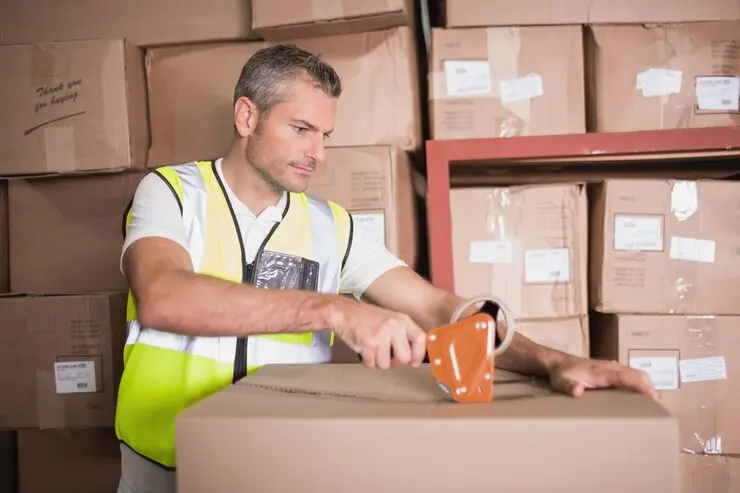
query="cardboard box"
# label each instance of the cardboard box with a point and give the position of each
(68, 461)
(665, 246)
(66, 233)
(663, 77)
(475, 13)
(191, 94)
(285, 19)
(569, 335)
(527, 245)
(4, 239)
(368, 424)
(498, 82)
(374, 184)
(62, 358)
(8, 461)
(143, 22)
(72, 106)
(710, 474)
(694, 361)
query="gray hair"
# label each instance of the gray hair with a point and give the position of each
(266, 75)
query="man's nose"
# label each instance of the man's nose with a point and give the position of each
(317, 151)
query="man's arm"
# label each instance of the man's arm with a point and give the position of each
(403, 290)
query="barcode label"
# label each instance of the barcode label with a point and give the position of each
(74, 377)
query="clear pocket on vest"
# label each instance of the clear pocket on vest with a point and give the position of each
(274, 270)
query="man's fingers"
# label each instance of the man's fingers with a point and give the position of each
(368, 357)
(418, 348)
(401, 348)
(383, 354)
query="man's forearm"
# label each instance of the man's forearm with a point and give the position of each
(198, 305)
(522, 356)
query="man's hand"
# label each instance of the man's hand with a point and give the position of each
(576, 375)
(380, 336)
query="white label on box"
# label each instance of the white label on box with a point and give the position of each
(718, 93)
(703, 369)
(662, 370)
(374, 224)
(692, 249)
(521, 88)
(490, 252)
(547, 266)
(73, 377)
(467, 77)
(684, 199)
(659, 82)
(638, 233)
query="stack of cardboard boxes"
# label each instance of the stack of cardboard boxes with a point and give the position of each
(95, 95)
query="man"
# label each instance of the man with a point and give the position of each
(203, 238)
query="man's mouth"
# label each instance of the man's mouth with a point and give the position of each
(306, 169)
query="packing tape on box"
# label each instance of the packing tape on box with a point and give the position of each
(697, 376)
(51, 81)
(327, 10)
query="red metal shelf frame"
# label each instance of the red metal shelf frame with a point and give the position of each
(442, 155)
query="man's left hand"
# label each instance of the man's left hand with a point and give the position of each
(575, 376)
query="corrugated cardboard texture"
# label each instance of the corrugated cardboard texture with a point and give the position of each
(694, 362)
(68, 461)
(4, 239)
(72, 106)
(191, 94)
(710, 474)
(66, 233)
(569, 335)
(473, 13)
(527, 245)
(663, 77)
(276, 20)
(374, 184)
(61, 358)
(143, 22)
(369, 423)
(499, 82)
(665, 246)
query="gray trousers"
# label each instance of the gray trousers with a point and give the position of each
(138, 475)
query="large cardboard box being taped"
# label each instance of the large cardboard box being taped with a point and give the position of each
(473, 13)
(72, 106)
(693, 361)
(525, 244)
(277, 20)
(664, 77)
(665, 246)
(499, 82)
(66, 232)
(143, 22)
(61, 360)
(367, 424)
(191, 92)
(374, 184)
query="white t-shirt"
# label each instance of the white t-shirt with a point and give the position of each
(155, 212)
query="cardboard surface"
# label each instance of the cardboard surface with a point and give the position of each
(72, 107)
(528, 245)
(374, 184)
(60, 360)
(68, 461)
(695, 364)
(710, 474)
(66, 233)
(465, 13)
(276, 20)
(4, 239)
(498, 82)
(665, 246)
(570, 335)
(143, 22)
(664, 77)
(368, 423)
(191, 94)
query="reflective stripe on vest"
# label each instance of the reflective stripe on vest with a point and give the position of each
(164, 373)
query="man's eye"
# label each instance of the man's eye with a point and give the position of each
(300, 130)
(326, 136)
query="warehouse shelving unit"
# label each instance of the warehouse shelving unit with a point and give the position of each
(443, 156)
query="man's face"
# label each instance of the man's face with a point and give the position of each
(288, 142)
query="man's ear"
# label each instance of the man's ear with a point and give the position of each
(246, 116)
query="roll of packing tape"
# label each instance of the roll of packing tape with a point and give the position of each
(503, 309)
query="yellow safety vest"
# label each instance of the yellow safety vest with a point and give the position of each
(164, 373)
